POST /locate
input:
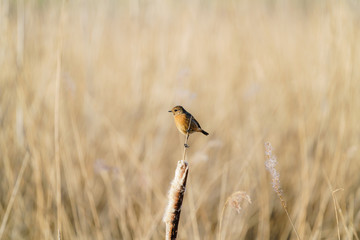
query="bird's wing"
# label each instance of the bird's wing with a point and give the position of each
(196, 122)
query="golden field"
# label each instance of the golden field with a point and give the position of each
(85, 87)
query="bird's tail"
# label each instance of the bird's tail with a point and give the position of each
(205, 133)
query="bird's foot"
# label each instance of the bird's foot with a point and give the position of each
(186, 146)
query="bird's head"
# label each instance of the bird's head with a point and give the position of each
(177, 110)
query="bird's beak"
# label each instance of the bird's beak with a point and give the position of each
(170, 111)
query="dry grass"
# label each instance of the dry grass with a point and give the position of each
(237, 201)
(249, 71)
(270, 165)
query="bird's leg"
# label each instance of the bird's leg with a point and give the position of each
(188, 134)
(186, 140)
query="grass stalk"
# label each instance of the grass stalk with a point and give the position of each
(270, 164)
(57, 152)
(186, 146)
(336, 214)
(13, 194)
(186, 140)
(56, 123)
(291, 222)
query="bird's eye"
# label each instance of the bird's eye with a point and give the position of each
(175, 110)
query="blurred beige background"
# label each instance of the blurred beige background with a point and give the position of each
(88, 84)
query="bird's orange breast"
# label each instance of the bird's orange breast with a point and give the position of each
(182, 123)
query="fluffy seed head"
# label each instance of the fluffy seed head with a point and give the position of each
(238, 200)
(270, 165)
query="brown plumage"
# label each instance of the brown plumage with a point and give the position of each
(182, 119)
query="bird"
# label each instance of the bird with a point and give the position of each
(182, 119)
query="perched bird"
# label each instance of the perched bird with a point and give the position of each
(182, 119)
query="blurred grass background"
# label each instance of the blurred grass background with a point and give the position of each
(250, 71)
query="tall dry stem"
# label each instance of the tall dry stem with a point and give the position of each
(187, 138)
(57, 151)
(185, 146)
(13, 194)
(270, 164)
(56, 122)
(336, 214)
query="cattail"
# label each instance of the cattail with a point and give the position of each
(176, 195)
